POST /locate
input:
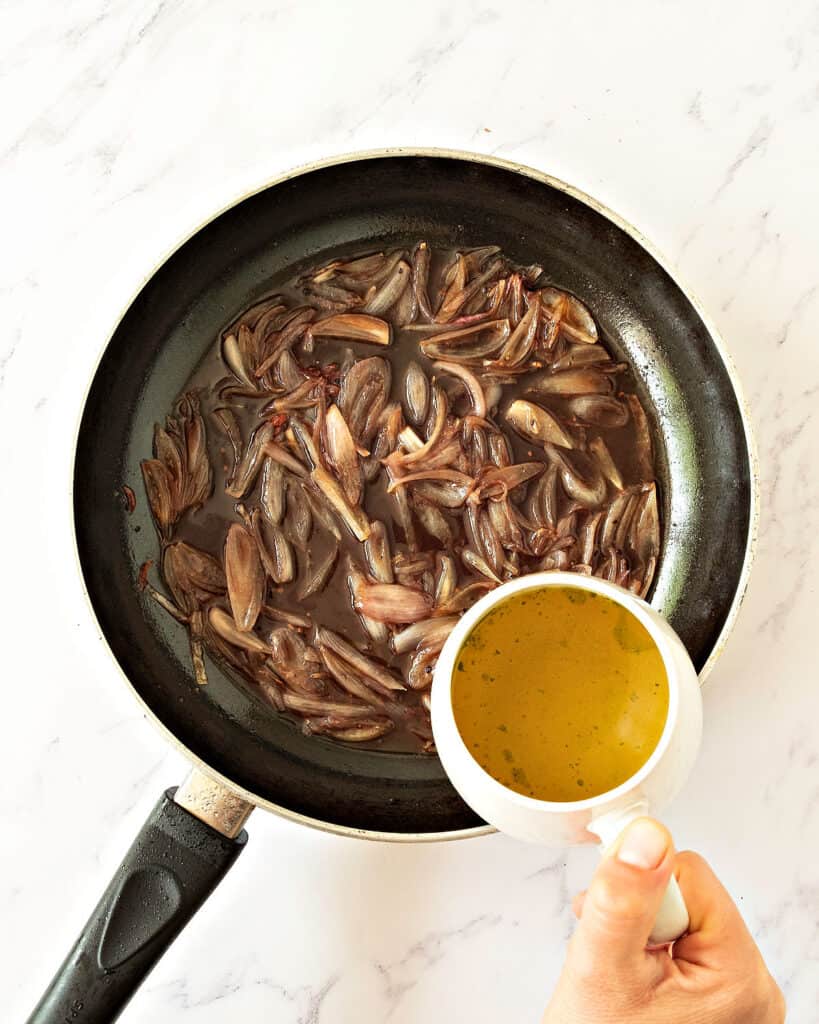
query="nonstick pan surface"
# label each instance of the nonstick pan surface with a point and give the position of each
(349, 206)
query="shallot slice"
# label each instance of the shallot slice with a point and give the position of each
(420, 277)
(229, 425)
(416, 392)
(234, 361)
(598, 448)
(473, 385)
(581, 355)
(587, 380)
(272, 494)
(251, 463)
(645, 527)
(317, 576)
(377, 552)
(274, 550)
(298, 520)
(599, 410)
(492, 482)
(459, 294)
(353, 327)
(522, 340)
(586, 489)
(280, 454)
(534, 423)
(245, 576)
(159, 488)
(422, 666)
(446, 578)
(305, 705)
(450, 475)
(342, 453)
(423, 632)
(353, 516)
(225, 626)
(643, 445)
(373, 670)
(390, 602)
(391, 291)
(467, 596)
(286, 337)
(576, 322)
(449, 494)
(587, 536)
(474, 561)
(364, 732)
(612, 518)
(365, 388)
(348, 679)
(193, 576)
(473, 342)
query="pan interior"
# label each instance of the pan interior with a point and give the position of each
(704, 464)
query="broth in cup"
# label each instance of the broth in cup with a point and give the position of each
(560, 694)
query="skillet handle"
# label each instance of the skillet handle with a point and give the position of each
(174, 864)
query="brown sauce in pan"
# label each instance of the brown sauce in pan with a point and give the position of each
(565, 531)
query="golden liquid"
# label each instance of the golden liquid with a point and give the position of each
(560, 694)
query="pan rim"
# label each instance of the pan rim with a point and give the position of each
(552, 182)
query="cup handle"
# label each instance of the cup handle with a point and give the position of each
(672, 919)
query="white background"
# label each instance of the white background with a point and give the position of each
(127, 123)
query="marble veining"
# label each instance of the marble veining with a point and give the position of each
(125, 125)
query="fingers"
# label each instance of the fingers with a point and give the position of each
(715, 921)
(619, 909)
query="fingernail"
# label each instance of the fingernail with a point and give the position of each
(644, 845)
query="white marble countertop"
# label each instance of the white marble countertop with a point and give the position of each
(125, 124)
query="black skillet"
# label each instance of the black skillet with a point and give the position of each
(348, 206)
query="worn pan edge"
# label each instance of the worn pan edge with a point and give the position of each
(559, 185)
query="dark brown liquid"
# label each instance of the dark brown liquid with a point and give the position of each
(206, 528)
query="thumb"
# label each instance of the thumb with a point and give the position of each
(624, 898)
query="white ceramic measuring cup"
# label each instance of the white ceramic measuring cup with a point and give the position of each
(601, 817)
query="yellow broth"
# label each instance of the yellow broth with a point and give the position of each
(560, 694)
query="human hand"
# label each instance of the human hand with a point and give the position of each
(715, 973)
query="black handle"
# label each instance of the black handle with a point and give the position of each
(173, 866)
